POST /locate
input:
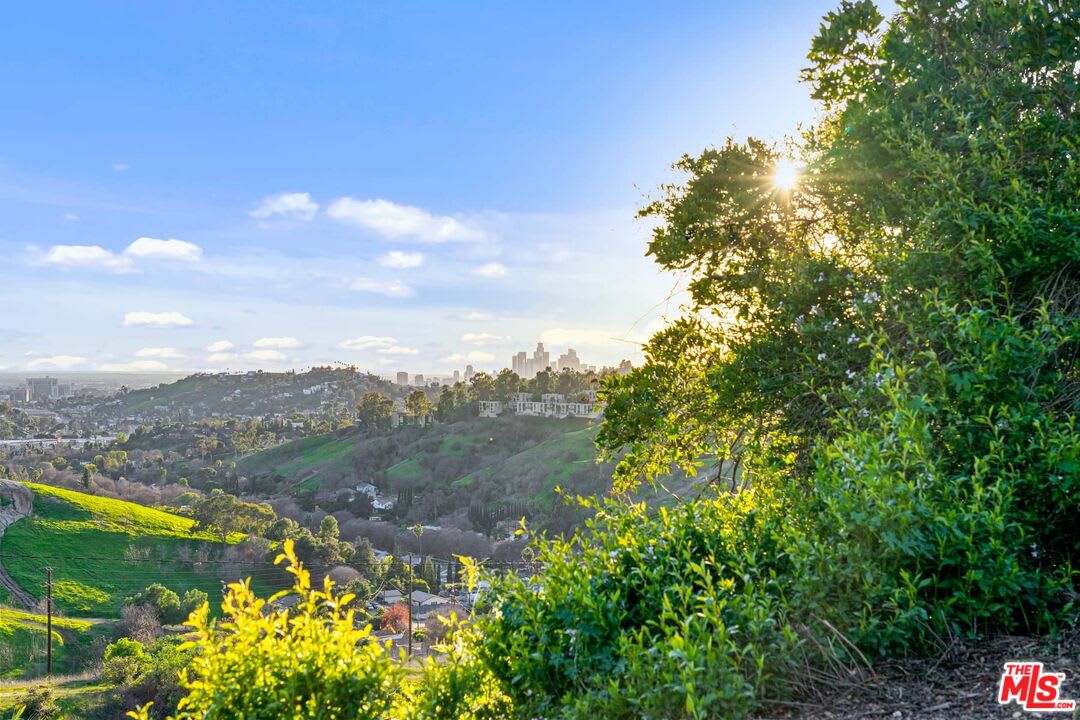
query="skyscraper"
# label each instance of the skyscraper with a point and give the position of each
(569, 361)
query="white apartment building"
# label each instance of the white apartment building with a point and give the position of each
(549, 405)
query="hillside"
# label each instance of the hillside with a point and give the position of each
(465, 474)
(102, 550)
(22, 642)
(251, 394)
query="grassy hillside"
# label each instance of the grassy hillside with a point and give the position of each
(23, 646)
(102, 550)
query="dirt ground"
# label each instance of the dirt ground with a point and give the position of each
(960, 684)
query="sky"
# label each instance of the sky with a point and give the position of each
(399, 186)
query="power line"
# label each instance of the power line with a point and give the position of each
(267, 564)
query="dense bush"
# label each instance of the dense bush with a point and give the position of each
(161, 599)
(159, 684)
(125, 661)
(39, 703)
(650, 615)
(308, 663)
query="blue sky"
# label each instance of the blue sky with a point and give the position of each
(413, 186)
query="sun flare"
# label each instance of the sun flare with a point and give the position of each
(786, 174)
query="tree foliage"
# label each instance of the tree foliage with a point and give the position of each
(224, 514)
(263, 663)
(375, 410)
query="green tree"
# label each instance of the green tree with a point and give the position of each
(507, 383)
(88, 472)
(223, 514)
(483, 386)
(418, 405)
(375, 410)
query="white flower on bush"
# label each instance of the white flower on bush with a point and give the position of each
(852, 339)
(822, 356)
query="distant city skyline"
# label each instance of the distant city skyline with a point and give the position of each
(230, 186)
(525, 366)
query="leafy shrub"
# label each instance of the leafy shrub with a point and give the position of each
(160, 684)
(39, 703)
(163, 600)
(125, 661)
(192, 600)
(457, 686)
(677, 613)
(307, 663)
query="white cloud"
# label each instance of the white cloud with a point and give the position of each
(219, 346)
(367, 342)
(56, 362)
(291, 206)
(158, 352)
(398, 350)
(272, 355)
(170, 318)
(278, 342)
(482, 339)
(135, 366)
(402, 260)
(490, 270)
(390, 288)
(87, 256)
(144, 248)
(478, 316)
(171, 249)
(474, 356)
(381, 345)
(70, 217)
(402, 221)
(577, 336)
(256, 355)
(120, 167)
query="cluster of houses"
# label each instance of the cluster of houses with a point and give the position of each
(553, 405)
(423, 606)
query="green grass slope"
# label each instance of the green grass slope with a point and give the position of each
(102, 550)
(23, 643)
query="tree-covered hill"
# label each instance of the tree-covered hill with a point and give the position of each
(252, 394)
(469, 473)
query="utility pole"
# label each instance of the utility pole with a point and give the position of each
(48, 628)
(418, 531)
(409, 604)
